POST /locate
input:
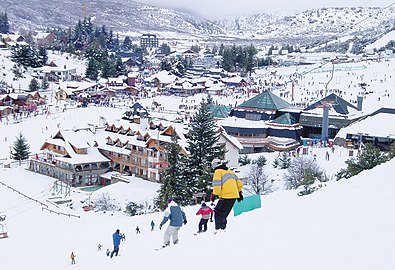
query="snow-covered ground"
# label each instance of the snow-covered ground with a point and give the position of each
(344, 225)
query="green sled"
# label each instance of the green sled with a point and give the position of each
(248, 204)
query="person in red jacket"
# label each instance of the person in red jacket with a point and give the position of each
(207, 213)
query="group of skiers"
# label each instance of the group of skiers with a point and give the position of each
(226, 186)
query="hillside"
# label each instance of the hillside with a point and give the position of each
(121, 15)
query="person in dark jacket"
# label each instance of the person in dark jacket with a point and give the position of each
(207, 213)
(177, 217)
(227, 186)
(116, 239)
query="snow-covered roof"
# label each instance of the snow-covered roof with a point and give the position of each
(232, 140)
(379, 125)
(163, 77)
(93, 155)
(49, 69)
(241, 122)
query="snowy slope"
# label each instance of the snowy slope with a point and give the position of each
(345, 225)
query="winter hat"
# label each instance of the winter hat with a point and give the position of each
(169, 199)
(203, 204)
(215, 163)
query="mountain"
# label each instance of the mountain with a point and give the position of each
(323, 24)
(121, 15)
(329, 29)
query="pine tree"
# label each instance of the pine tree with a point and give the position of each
(43, 56)
(20, 149)
(250, 62)
(108, 69)
(92, 70)
(120, 68)
(4, 24)
(203, 148)
(173, 177)
(127, 43)
(34, 86)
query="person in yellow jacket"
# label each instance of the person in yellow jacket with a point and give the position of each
(227, 186)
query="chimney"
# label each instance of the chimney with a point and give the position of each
(359, 102)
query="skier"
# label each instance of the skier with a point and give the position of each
(152, 225)
(137, 230)
(72, 257)
(207, 213)
(177, 217)
(99, 247)
(108, 252)
(116, 239)
(227, 186)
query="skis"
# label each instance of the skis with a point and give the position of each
(162, 247)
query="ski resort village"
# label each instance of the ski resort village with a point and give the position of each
(167, 140)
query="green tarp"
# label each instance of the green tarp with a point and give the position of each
(248, 204)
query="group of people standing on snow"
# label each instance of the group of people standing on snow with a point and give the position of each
(226, 186)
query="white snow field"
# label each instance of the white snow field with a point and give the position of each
(347, 224)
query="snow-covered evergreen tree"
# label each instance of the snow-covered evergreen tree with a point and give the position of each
(21, 149)
(92, 70)
(203, 148)
(33, 86)
(4, 24)
(120, 68)
(172, 177)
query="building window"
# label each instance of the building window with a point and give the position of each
(253, 116)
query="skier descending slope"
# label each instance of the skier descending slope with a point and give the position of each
(177, 217)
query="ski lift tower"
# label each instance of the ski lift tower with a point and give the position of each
(326, 105)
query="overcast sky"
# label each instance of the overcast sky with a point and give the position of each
(221, 8)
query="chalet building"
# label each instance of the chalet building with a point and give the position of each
(71, 156)
(132, 145)
(341, 114)
(72, 89)
(139, 152)
(184, 87)
(13, 40)
(54, 74)
(44, 39)
(149, 41)
(232, 148)
(115, 82)
(366, 130)
(263, 123)
(160, 80)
